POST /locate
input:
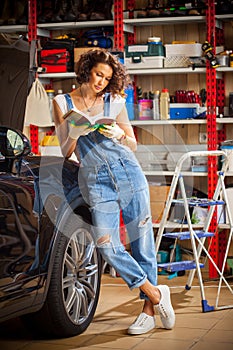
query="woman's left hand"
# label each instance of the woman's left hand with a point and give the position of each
(112, 131)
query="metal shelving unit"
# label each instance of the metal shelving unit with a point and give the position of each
(214, 82)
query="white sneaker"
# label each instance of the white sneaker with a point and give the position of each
(165, 308)
(143, 324)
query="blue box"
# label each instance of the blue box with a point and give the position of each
(183, 110)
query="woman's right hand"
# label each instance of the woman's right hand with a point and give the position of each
(75, 131)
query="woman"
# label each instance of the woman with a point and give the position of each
(111, 180)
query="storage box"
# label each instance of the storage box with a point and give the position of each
(158, 196)
(183, 110)
(187, 50)
(144, 56)
(176, 62)
(145, 62)
(55, 60)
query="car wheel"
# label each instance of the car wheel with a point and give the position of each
(74, 285)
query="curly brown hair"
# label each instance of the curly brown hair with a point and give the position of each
(88, 60)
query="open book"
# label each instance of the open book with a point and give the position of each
(79, 118)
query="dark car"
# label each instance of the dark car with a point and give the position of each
(50, 269)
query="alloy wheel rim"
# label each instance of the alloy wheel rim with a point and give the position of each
(80, 276)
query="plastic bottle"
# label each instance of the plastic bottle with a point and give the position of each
(156, 114)
(164, 104)
(51, 94)
(129, 91)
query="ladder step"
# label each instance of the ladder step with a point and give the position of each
(179, 265)
(186, 234)
(198, 202)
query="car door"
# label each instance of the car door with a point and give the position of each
(18, 234)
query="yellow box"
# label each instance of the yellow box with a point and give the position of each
(50, 140)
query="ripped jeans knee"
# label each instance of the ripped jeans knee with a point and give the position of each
(106, 246)
(103, 240)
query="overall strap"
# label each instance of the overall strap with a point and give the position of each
(69, 101)
(107, 96)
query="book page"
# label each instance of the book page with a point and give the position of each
(92, 118)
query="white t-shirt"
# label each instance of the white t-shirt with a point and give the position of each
(116, 105)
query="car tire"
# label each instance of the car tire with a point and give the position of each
(74, 284)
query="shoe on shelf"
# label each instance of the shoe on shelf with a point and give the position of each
(143, 324)
(164, 308)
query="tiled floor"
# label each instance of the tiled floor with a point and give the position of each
(118, 307)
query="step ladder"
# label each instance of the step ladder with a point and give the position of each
(197, 237)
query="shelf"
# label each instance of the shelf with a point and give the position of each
(184, 173)
(224, 69)
(171, 173)
(173, 20)
(57, 75)
(225, 18)
(22, 28)
(189, 70)
(83, 24)
(223, 120)
(164, 20)
(175, 225)
(168, 121)
(75, 25)
(150, 71)
(44, 28)
(142, 72)
(58, 25)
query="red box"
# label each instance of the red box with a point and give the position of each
(55, 61)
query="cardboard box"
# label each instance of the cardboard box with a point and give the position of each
(157, 210)
(158, 197)
(158, 193)
(78, 51)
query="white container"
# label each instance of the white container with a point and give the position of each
(187, 50)
(164, 104)
(145, 62)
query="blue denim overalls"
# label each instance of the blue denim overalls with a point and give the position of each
(110, 180)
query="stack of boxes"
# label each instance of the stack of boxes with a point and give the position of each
(149, 55)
